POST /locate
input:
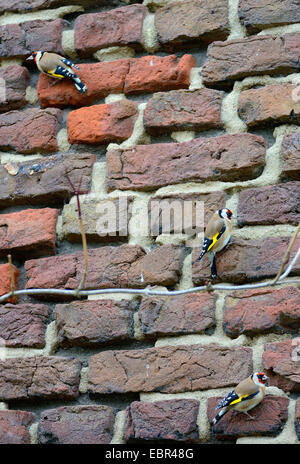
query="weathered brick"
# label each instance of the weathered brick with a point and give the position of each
(15, 79)
(148, 167)
(158, 73)
(297, 418)
(170, 369)
(30, 131)
(23, 325)
(49, 377)
(163, 420)
(101, 80)
(103, 220)
(109, 267)
(87, 424)
(22, 6)
(117, 27)
(256, 15)
(281, 363)
(14, 427)
(43, 181)
(19, 40)
(92, 323)
(183, 110)
(111, 122)
(262, 311)
(259, 107)
(239, 58)
(269, 418)
(29, 233)
(246, 260)
(162, 220)
(5, 280)
(273, 204)
(192, 22)
(290, 151)
(183, 314)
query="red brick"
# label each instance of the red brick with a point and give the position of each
(109, 267)
(14, 427)
(274, 204)
(239, 58)
(42, 181)
(28, 233)
(290, 151)
(262, 311)
(163, 420)
(192, 22)
(93, 323)
(5, 281)
(15, 79)
(76, 425)
(19, 40)
(112, 122)
(256, 15)
(23, 325)
(281, 363)
(170, 369)
(101, 80)
(183, 110)
(117, 27)
(158, 73)
(148, 167)
(48, 377)
(269, 418)
(297, 418)
(258, 107)
(30, 131)
(24, 6)
(161, 219)
(246, 260)
(183, 314)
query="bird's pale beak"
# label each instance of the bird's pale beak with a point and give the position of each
(30, 58)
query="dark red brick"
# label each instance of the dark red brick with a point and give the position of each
(77, 425)
(169, 369)
(269, 418)
(47, 377)
(246, 260)
(192, 22)
(274, 204)
(239, 58)
(148, 167)
(5, 281)
(257, 15)
(183, 110)
(43, 181)
(23, 325)
(290, 151)
(24, 6)
(261, 311)
(117, 27)
(297, 418)
(183, 314)
(92, 323)
(163, 420)
(15, 79)
(30, 131)
(14, 427)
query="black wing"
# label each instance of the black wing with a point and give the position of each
(232, 396)
(69, 63)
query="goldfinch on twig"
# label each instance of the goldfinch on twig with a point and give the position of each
(217, 235)
(247, 394)
(58, 67)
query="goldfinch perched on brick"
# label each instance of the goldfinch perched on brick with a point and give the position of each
(248, 394)
(58, 67)
(217, 235)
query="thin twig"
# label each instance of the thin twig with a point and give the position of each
(287, 254)
(12, 276)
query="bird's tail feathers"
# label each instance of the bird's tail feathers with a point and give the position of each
(80, 86)
(200, 257)
(219, 416)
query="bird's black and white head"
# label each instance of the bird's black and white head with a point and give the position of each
(260, 378)
(226, 214)
(36, 56)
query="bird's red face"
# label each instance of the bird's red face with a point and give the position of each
(32, 56)
(229, 214)
(262, 378)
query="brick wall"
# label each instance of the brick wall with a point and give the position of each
(194, 100)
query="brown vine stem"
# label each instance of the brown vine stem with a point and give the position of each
(286, 257)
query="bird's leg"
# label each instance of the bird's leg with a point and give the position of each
(54, 82)
(251, 417)
(213, 267)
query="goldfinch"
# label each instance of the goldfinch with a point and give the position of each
(217, 235)
(58, 67)
(248, 394)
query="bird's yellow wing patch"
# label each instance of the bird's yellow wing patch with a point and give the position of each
(53, 74)
(214, 240)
